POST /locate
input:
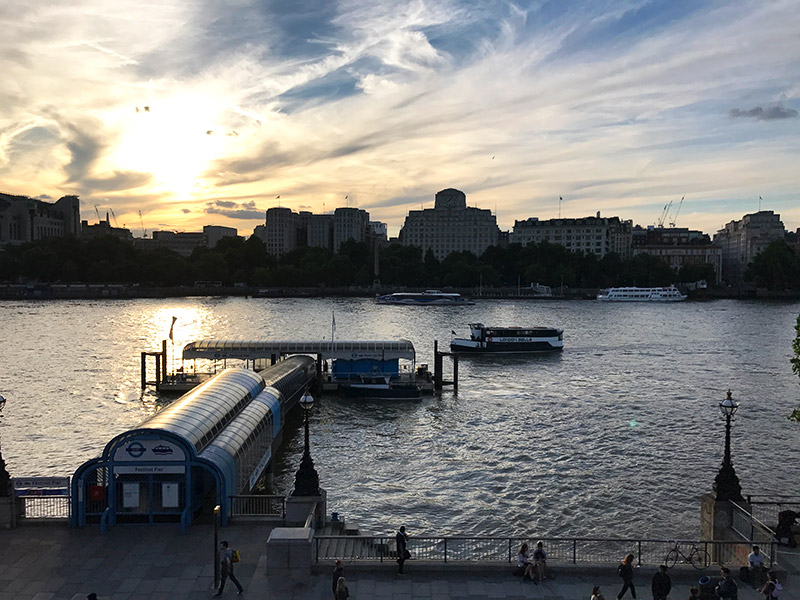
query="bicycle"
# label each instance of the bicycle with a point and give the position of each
(697, 557)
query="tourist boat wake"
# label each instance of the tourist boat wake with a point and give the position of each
(638, 294)
(426, 298)
(508, 340)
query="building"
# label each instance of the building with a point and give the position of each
(680, 255)
(279, 231)
(24, 219)
(184, 243)
(590, 235)
(450, 226)
(104, 228)
(742, 240)
(350, 224)
(320, 231)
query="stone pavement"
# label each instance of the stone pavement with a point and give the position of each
(139, 562)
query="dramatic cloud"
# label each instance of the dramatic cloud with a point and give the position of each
(765, 114)
(234, 210)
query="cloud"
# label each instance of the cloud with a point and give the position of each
(119, 180)
(234, 210)
(776, 111)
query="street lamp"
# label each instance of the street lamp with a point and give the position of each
(306, 480)
(726, 483)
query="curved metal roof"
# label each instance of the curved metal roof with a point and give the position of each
(201, 414)
(345, 349)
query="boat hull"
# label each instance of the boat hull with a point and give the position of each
(381, 392)
(470, 347)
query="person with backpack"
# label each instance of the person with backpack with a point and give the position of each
(226, 560)
(727, 589)
(772, 588)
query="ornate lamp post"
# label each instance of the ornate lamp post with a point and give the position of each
(726, 483)
(306, 480)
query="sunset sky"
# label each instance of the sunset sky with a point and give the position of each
(199, 113)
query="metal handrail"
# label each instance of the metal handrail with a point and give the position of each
(503, 549)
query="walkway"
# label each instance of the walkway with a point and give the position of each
(135, 562)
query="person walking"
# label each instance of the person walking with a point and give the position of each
(401, 540)
(727, 588)
(661, 584)
(342, 593)
(625, 570)
(226, 569)
(338, 573)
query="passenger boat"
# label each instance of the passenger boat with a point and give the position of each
(509, 339)
(637, 294)
(381, 387)
(426, 298)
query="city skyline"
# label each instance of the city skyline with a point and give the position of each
(201, 114)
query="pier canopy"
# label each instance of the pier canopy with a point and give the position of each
(344, 349)
(212, 443)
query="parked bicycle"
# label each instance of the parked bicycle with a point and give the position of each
(697, 557)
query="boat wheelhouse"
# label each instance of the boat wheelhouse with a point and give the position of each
(640, 294)
(426, 298)
(500, 340)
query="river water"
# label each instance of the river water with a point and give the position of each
(617, 435)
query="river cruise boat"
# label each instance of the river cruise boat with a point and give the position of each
(502, 340)
(637, 294)
(426, 298)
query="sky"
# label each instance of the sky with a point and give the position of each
(178, 114)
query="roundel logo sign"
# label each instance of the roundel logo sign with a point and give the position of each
(135, 449)
(149, 450)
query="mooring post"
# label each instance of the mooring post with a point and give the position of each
(455, 371)
(144, 370)
(437, 367)
(164, 360)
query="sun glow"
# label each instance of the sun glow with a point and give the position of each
(174, 140)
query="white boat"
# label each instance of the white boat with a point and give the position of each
(505, 340)
(637, 294)
(426, 298)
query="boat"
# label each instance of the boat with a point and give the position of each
(508, 340)
(640, 294)
(426, 298)
(383, 387)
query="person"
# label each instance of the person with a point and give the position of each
(727, 587)
(771, 589)
(758, 570)
(625, 571)
(91, 596)
(226, 569)
(596, 595)
(661, 584)
(342, 593)
(540, 561)
(694, 593)
(401, 539)
(338, 572)
(524, 563)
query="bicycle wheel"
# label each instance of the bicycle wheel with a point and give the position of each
(699, 558)
(672, 558)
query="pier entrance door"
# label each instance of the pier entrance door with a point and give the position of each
(155, 497)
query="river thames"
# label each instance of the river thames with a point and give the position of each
(616, 436)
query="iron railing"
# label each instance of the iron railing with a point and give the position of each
(43, 507)
(505, 549)
(258, 506)
(766, 508)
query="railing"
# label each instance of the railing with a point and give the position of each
(43, 507)
(258, 506)
(504, 550)
(766, 508)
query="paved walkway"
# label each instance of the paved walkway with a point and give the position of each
(136, 562)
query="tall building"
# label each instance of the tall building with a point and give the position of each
(742, 240)
(349, 224)
(279, 232)
(184, 243)
(591, 235)
(24, 219)
(450, 226)
(320, 231)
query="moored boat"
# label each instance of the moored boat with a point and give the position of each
(639, 294)
(426, 298)
(501, 340)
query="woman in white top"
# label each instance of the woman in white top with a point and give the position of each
(523, 562)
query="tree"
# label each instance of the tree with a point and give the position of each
(795, 416)
(776, 268)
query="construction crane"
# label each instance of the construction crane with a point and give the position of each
(660, 222)
(677, 212)
(141, 221)
(115, 217)
(97, 211)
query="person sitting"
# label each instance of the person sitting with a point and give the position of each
(772, 589)
(524, 563)
(758, 570)
(540, 561)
